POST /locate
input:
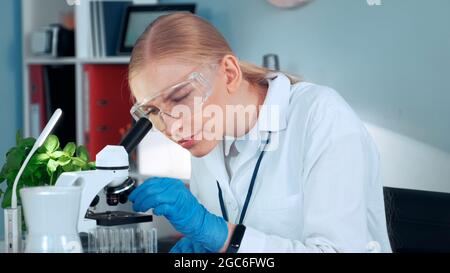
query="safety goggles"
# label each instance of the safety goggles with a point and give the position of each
(186, 97)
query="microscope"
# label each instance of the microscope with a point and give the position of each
(113, 177)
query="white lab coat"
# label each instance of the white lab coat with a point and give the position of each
(318, 187)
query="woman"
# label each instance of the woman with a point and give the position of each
(278, 165)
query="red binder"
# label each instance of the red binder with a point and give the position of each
(37, 95)
(109, 106)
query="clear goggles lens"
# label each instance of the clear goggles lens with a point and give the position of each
(185, 98)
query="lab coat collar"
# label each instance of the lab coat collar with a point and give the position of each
(227, 142)
(272, 118)
(272, 115)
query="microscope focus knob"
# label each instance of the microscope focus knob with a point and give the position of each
(95, 201)
(112, 199)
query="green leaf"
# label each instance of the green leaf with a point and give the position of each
(92, 165)
(82, 153)
(52, 165)
(1, 193)
(6, 203)
(58, 173)
(15, 158)
(71, 168)
(68, 168)
(10, 178)
(27, 142)
(10, 150)
(39, 159)
(78, 162)
(58, 154)
(64, 160)
(33, 162)
(52, 143)
(89, 166)
(70, 148)
(19, 187)
(18, 137)
(3, 174)
(41, 150)
(41, 176)
(30, 170)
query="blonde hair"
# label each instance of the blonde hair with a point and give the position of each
(189, 38)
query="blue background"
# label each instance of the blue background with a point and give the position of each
(10, 78)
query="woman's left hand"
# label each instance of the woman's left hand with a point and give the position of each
(171, 198)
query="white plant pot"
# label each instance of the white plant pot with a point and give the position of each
(51, 215)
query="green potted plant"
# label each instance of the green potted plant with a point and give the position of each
(44, 168)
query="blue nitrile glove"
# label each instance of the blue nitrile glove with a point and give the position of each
(171, 198)
(186, 245)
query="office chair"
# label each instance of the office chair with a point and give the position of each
(418, 221)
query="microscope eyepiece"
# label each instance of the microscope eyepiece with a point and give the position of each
(136, 134)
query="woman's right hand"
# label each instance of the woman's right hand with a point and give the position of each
(169, 197)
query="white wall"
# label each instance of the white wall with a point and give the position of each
(159, 156)
(408, 163)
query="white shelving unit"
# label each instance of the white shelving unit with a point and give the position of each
(74, 61)
(49, 61)
(41, 13)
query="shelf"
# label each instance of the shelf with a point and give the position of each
(106, 60)
(50, 61)
(42, 13)
(69, 61)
